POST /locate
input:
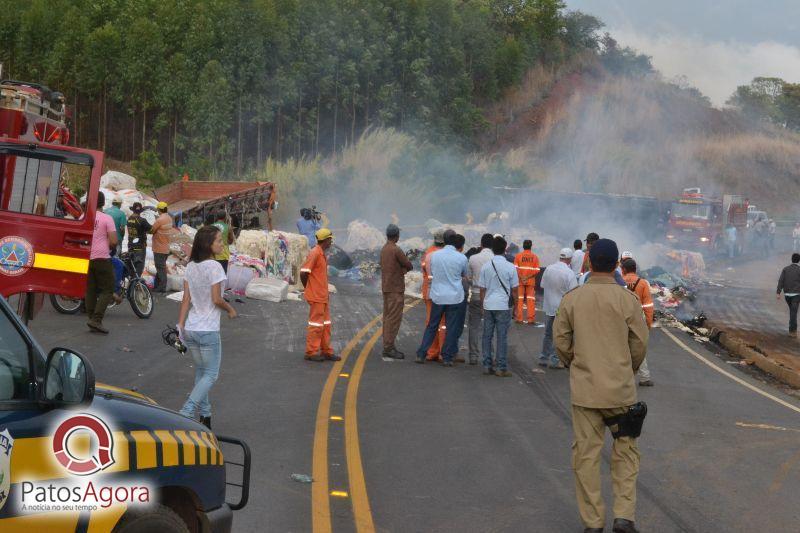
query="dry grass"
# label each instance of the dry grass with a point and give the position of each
(648, 138)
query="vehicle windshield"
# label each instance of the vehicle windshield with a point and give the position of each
(697, 211)
(14, 362)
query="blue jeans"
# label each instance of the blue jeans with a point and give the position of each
(548, 355)
(499, 321)
(206, 350)
(461, 319)
(453, 315)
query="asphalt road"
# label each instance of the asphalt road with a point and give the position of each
(427, 448)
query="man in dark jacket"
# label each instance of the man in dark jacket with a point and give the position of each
(137, 237)
(789, 284)
(394, 265)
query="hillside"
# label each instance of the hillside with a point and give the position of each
(585, 130)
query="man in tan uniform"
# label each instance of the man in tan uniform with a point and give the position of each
(601, 335)
(394, 266)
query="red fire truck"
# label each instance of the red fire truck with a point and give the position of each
(45, 234)
(698, 221)
(45, 238)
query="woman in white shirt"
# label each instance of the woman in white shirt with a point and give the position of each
(198, 321)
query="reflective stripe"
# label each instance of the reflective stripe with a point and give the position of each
(315, 324)
(61, 262)
(305, 270)
(528, 268)
(327, 323)
(648, 305)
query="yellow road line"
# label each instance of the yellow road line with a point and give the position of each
(320, 499)
(725, 373)
(362, 512)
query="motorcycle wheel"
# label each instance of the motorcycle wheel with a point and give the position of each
(65, 305)
(141, 299)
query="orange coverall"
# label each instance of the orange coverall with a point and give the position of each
(318, 336)
(527, 264)
(434, 352)
(641, 288)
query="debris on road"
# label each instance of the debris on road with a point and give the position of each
(302, 478)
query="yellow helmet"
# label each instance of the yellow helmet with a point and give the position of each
(162, 205)
(323, 234)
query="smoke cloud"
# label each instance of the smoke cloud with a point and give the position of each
(714, 67)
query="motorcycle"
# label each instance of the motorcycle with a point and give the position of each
(131, 286)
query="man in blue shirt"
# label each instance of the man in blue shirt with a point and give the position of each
(448, 267)
(498, 283)
(307, 225)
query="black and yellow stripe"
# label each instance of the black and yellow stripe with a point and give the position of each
(133, 450)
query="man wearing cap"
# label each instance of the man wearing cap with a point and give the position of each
(314, 277)
(162, 228)
(394, 265)
(120, 221)
(558, 279)
(434, 352)
(137, 237)
(601, 335)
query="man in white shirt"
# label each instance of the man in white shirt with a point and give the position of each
(498, 283)
(475, 324)
(558, 279)
(576, 263)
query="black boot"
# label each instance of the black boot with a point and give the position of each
(624, 526)
(206, 421)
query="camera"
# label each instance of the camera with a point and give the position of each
(311, 213)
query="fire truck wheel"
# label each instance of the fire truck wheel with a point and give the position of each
(141, 299)
(66, 306)
(156, 518)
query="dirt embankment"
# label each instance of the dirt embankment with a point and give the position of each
(584, 130)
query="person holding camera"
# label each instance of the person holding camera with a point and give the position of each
(308, 224)
(601, 336)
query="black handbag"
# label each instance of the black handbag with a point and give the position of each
(510, 298)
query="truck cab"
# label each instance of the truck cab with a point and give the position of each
(698, 221)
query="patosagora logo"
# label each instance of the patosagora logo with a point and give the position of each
(101, 437)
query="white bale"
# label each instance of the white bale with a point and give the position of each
(189, 231)
(239, 277)
(363, 236)
(413, 284)
(414, 243)
(268, 289)
(117, 181)
(252, 243)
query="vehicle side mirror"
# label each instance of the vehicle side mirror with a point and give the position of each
(69, 378)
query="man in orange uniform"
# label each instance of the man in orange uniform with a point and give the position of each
(434, 352)
(641, 289)
(527, 264)
(314, 277)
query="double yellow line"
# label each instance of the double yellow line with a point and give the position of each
(320, 495)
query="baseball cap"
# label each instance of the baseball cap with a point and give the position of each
(438, 236)
(566, 253)
(162, 205)
(626, 255)
(323, 234)
(603, 255)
